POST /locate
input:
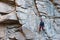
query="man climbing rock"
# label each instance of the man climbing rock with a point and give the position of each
(41, 26)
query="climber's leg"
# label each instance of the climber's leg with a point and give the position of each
(43, 29)
(39, 28)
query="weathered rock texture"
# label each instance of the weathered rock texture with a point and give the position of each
(20, 19)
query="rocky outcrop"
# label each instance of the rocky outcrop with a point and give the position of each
(26, 14)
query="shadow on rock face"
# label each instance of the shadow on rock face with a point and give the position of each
(13, 38)
(9, 2)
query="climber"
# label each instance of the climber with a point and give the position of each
(41, 26)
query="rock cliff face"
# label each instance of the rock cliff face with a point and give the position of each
(26, 15)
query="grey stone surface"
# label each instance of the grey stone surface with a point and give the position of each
(26, 13)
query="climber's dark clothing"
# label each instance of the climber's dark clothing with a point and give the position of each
(41, 26)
